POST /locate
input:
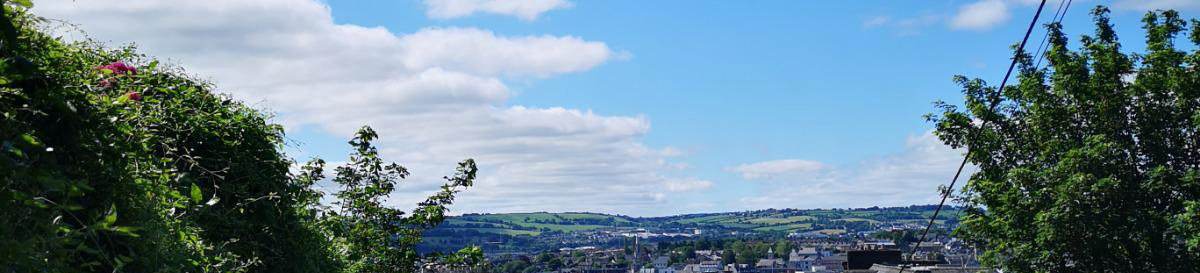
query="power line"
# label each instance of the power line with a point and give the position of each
(946, 194)
(1063, 11)
(1042, 44)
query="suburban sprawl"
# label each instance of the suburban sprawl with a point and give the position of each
(763, 241)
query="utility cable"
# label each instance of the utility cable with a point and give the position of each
(1042, 44)
(946, 194)
(1041, 52)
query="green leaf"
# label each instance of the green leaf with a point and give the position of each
(24, 3)
(30, 140)
(112, 216)
(16, 152)
(126, 231)
(196, 194)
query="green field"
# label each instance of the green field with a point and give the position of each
(873, 221)
(547, 217)
(563, 228)
(460, 221)
(564, 222)
(948, 213)
(707, 219)
(832, 231)
(577, 216)
(516, 217)
(786, 228)
(922, 221)
(501, 231)
(777, 221)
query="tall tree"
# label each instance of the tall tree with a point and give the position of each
(1091, 164)
(379, 238)
(782, 248)
(728, 256)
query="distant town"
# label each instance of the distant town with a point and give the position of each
(765, 241)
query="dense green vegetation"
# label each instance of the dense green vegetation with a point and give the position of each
(111, 162)
(1091, 164)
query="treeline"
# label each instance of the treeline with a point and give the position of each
(732, 250)
(903, 238)
(607, 221)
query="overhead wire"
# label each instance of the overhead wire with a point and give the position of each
(1062, 13)
(946, 194)
(1042, 44)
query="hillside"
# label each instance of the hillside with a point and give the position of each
(506, 232)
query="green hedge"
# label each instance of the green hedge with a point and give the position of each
(113, 162)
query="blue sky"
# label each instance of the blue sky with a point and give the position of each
(632, 107)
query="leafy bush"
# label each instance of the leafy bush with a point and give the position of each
(111, 162)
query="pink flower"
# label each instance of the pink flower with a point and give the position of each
(119, 68)
(134, 96)
(124, 68)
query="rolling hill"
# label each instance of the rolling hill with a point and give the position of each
(544, 230)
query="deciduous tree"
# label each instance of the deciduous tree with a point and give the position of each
(1091, 164)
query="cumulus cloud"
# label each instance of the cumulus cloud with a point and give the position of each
(481, 52)
(769, 169)
(686, 185)
(528, 10)
(974, 16)
(908, 177)
(980, 15)
(436, 96)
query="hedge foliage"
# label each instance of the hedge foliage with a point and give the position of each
(112, 162)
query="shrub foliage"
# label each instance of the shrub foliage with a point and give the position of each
(111, 162)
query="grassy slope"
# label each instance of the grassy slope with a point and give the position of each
(784, 220)
(564, 222)
(786, 228)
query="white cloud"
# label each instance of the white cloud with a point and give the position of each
(877, 21)
(483, 53)
(680, 166)
(1144, 5)
(436, 96)
(986, 14)
(528, 10)
(903, 27)
(980, 15)
(901, 179)
(672, 152)
(686, 185)
(769, 169)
